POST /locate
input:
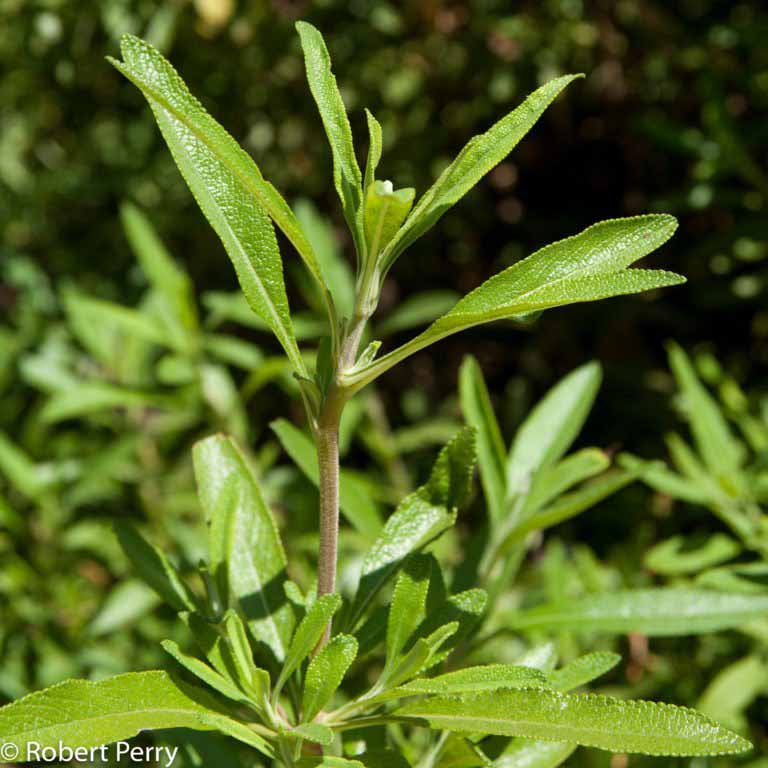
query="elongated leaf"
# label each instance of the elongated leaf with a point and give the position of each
(552, 426)
(583, 670)
(325, 673)
(654, 612)
(81, 713)
(203, 672)
(322, 83)
(170, 282)
(478, 157)
(571, 504)
(491, 677)
(328, 761)
(551, 482)
(409, 601)
(676, 556)
(586, 267)
(315, 732)
(226, 184)
(253, 553)
(415, 311)
(154, 567)
(477, 410)
(419, 519)
(660, 478)
(595, 721)
(420, 657)
(89, 398)
(374, 148)
(715, 442)
(354, 496)
(307, 636)
(734, 688)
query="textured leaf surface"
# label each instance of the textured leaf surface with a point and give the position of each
(227, 186)
(385, 210)
(477, 410)
(81, 713)
(409, 600)
(253, 552)
(374, 148)
(322, 83)
(525, 753)
(654, 612)
(594, 721)
(307, 635)
(491, 677)
(479, 156)
(325, 673)
(586, 267)
(583, 670)
(421, 517)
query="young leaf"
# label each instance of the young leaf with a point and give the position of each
(227, 185)
(409, 600)
(154, 567)
(478, 157)
(252, 550)
(307, 636)
(374, 148)
(385, 210)
(478, 412)
(81, 713)
(583, 670)
(586, 267)
(325, 673)
(654, 612)
(354, 496)
(420, 657)
(552, 426)
(596, 721)
(346, 172)
(675, 556)
(419, 519)
(716, 444)
(315, 732)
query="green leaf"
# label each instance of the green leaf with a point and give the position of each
(89, 398)
(552, 426)
(81, 713)
(179, 313)
(154, 567)
(676, 556)
(661, 479)
(354, 496)
(126, 603)
(586, 267)
(526, 753)
(419, 519)
(654, 612)
(596, 721)
(551, 482)
(479, 156)
(722, 453)
(226, 184)
(325, 673)
(571, 504)
(734, 688)
(335, 269)
(328, 761)
(307, 636)
(491, 677)
(420, 657)
(385, 210)
(374, 148)
(253, 680)
(251, 548)
(583, 670)
(409, 599)
(478, 412)
(205, 673)
(322, 83)
(749, 578)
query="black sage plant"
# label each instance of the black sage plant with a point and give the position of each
(391, 670)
